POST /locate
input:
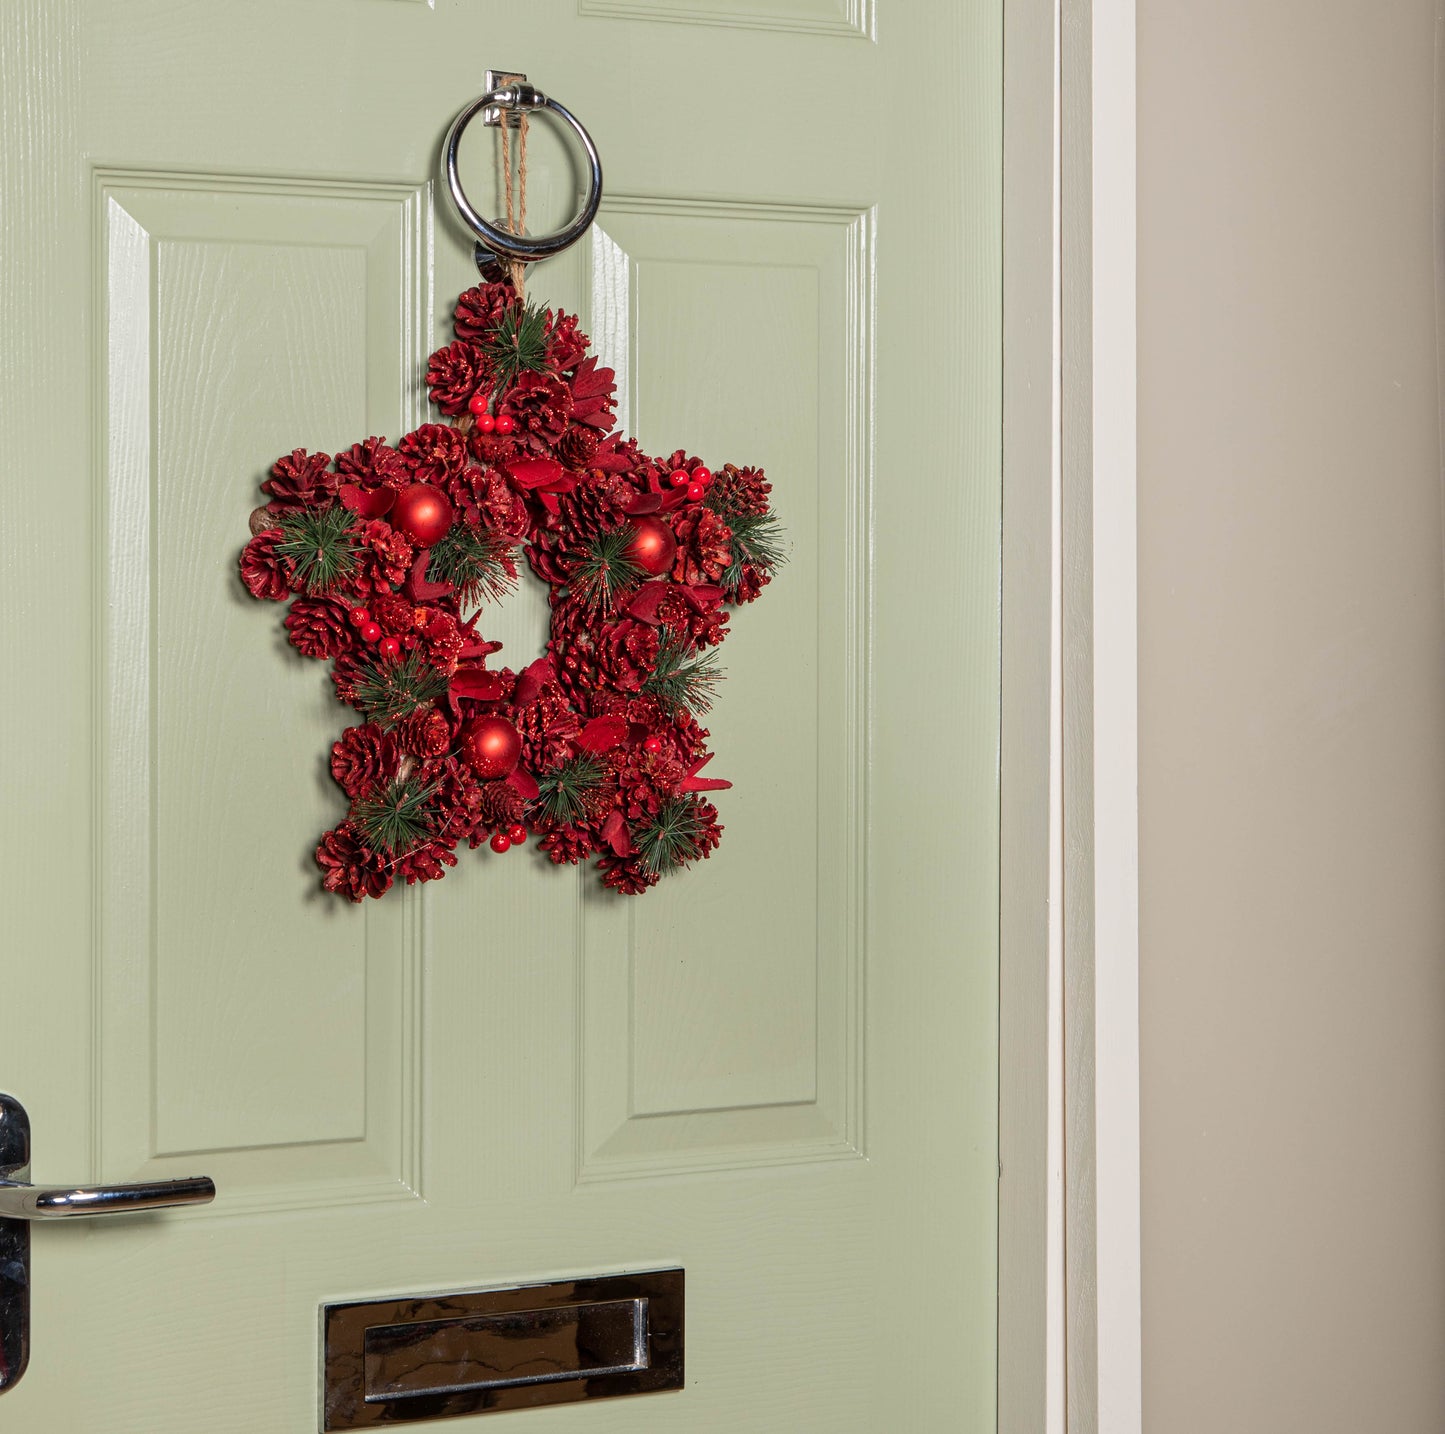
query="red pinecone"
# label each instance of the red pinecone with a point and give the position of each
(393, 613)
(300, 480)
(320, 627)
(629, 875)
(566, 343)
(434, 453)
(455, 373)
(567, 845)
(373, 464)
(265, 574)
(425, 733)
(426, 861)
(577, 447)
(350, 866)
(704, 546)
(540, 404)
(363, 758)
(501, 805)
(479, 309)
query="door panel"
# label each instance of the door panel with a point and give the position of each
(223, 240)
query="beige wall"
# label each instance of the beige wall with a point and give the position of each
(1292, 700)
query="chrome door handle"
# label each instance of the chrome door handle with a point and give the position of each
(35, 1202)
(22, 1202)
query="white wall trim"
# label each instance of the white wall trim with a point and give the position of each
(1070, 1332)
(1100, 715)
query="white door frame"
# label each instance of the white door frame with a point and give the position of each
(1069, 1232)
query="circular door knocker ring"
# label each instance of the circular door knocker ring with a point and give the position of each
(521, 248)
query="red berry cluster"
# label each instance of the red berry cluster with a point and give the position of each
(387, 554)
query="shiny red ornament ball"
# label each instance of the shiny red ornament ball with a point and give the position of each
(492, 747)
(652, 547)
(477, 404)
(702, 475)
(359, 615)
(390, 647)
(517, 834)
(370, 632)
(486, 423)
(501, 842)
(679, 477)
(652, 744)
(695, 491)
(423, 513)
(505, 423)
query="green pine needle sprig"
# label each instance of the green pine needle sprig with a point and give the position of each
(564, 793)
(320, 545)
(518, 343)
(683, 680)
(757, 543)
(477, 562)
(386, 690)
(606, 570)
(397, 817)
(673, 837)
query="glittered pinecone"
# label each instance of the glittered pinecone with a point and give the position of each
(425, 733)
(479, 309)
(349, 866)
(320, 627)
(363, 758)
(434, 453)
(393, 613)
(501, 805)
(373, 464)
(704, 546)
(455, 373)
(540, 405)
(300, 480)
(265, 573)
(566, 343)
(567, 846)
(577, 447)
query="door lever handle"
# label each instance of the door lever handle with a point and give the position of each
(22, 1203)
(36, 1202)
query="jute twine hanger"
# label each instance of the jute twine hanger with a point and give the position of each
(515, 186)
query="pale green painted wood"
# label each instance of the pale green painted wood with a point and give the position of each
(219, 244)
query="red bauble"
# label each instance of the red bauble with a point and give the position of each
(702, 475)
(505, 423)
(390, 647)
(652, 547)
(486, 423)
(359, 615)
(492, 747)
(370, 631)
(501, 842)
(517, 834)
(478, 403)
(423, 513)
(652, 744)
(695, 491)
(679, 478)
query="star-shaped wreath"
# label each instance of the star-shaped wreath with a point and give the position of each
(388, 553)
